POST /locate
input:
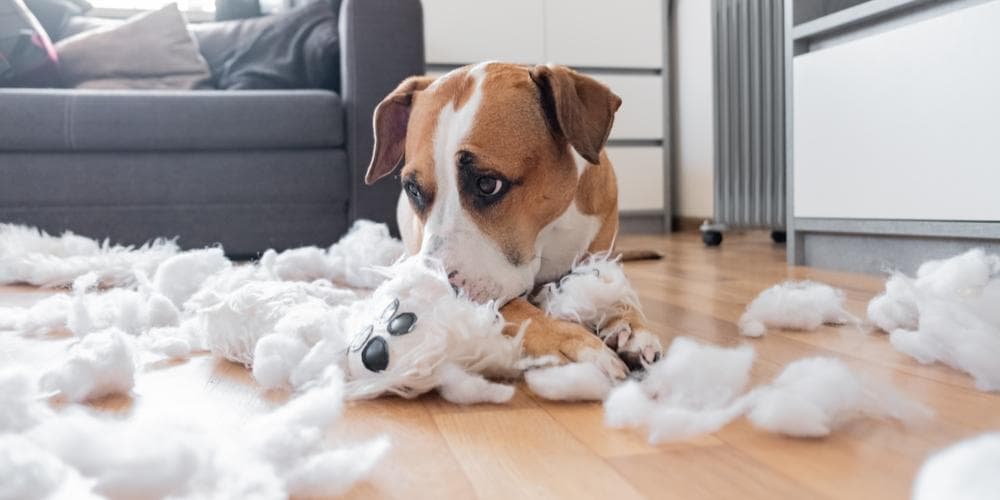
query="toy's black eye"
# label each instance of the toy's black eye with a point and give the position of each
(361, 338)
(375, 357)
(489, 186)
(390, 310)
(402, 324)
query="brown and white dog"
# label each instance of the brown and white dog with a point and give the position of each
(505, 180)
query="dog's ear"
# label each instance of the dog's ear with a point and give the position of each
(578, 108)
(390, 120)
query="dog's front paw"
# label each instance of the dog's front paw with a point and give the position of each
(638, 348)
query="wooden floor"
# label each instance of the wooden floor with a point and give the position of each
(533, 448)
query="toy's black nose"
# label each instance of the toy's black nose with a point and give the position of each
(375, 357)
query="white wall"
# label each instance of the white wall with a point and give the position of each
(693, 107)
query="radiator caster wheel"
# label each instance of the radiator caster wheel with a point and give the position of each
(711, 238)
(778, 236)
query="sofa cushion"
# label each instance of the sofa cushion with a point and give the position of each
(152, 50)
(77, 120)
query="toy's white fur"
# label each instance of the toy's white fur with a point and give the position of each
(948, 313)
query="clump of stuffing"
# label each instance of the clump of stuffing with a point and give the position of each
(947, 314)
(29, 471)
(101, 364)
(351, 261)
(275, 455)
(181, 276)
(46, 316)
(964, 471)
(794, 305)
(696, 389)
(19, 407)
(691, 391)
(31, 256)
(571, 382)
(813, 396)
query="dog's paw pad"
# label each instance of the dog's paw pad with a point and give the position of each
(642, 349)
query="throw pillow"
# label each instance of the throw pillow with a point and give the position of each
(27, 58)
(150, 51)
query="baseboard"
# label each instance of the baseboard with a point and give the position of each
(684, 224)
(642, 223)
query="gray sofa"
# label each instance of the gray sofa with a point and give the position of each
(248, 169)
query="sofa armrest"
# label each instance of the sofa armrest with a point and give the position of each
(381, 43)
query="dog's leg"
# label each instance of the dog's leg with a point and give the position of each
(625, 331)
(565, 340)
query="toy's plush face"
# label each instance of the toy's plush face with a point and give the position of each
(409, 326)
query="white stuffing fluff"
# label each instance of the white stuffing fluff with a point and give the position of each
(19, 407)
(180, 276)
(100, 364)
(570, 382)
(794, 305)
(48, 315)
(689, 392)
(30, 471)
(31, 256)
(814, 396)
(594, 291)
(964, 471)
(275, 455)
(351, 261)
(696, 389)
(947, 314)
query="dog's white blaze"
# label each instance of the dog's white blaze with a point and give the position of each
(563, 241)
(450, 234)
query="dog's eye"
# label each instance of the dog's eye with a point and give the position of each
(375, 357)
(412, 190)
(489, 186)
(402, 324)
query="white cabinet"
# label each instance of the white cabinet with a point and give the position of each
(902, 124)
(641, 113)
(622, 34)
(465, 31)
(639, 170)
(618, 43)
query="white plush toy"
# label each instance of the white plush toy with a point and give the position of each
(284, 318)
(415, 333)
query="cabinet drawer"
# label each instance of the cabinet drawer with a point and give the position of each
(640, 177)
(599, 33)
(641, 114)
(470, 31)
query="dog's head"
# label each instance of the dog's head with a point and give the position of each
(490, 155)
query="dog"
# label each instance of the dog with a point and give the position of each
(505, 180)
